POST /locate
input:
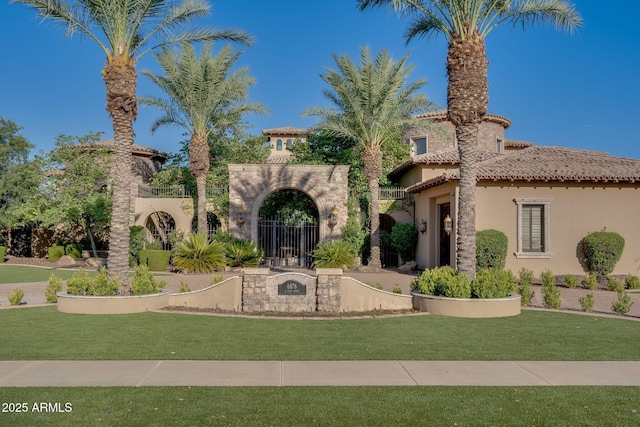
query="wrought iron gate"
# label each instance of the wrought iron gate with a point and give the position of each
(285, 243)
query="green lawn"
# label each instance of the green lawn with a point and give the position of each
(26, 274)
(329, 406)
(44, 333)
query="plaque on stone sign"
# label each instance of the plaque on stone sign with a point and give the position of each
(292, 287)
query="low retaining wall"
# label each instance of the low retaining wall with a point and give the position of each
(359, 297)
(467, 307)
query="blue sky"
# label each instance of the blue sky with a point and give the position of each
(579, 90)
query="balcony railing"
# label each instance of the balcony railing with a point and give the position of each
(177, 191)
(386, 193)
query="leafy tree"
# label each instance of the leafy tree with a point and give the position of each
(372, 104)
(75, 192)
(206, 98)
(466, 24)
(125, 31)
(18, 176)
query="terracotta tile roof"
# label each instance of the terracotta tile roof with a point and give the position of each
(555, 164)
(135, 149)
(286, 130)
(439, 157)
(513, 143)
(441, 115)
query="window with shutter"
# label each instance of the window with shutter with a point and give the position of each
(533, 228)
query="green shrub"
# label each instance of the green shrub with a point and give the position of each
(493, 283)
(54, 285)
(524, 289)
(491, 249)
(404, 238)
(74, 250)
(396, 289)
(551, 296)
(623, 304)
(614, 284)
(215, 279)
(353, 233)
(143, 282)
(632, 282)
(376, 285)
(198, 255)
(570, 281)
(590, 281)
(242, 253)
(155, 259)
(223, 237)
(15, 297)
(587, 302)
(55, 253)
(184, 287)
(137, 234)
(155, 245)
(333, 254)
(602, 250)
(79, 283)
(102, 286)
(444, 281)
(3, 253)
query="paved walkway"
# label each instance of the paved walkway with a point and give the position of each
(315, 373)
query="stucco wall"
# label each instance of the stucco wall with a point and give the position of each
(574, 212)
(358, 297)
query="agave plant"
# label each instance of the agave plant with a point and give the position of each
(199, 255)
(333, 254)
(243, 253)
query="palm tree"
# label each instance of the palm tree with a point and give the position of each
(373, 103)
(466, 24)
(125, 31)
(206, 99)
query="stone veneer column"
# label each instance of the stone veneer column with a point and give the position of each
(329, 280)
(254, 289)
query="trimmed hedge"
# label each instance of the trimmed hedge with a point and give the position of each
(491, 249)
(155, 259)
(3, 252)
(444, 282)
(404, 238)
(55, 253)
(493, 283)
(602, 250)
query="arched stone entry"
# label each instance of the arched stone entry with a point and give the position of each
(249, 185)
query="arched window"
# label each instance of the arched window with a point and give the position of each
(279, 145)
(289, 143)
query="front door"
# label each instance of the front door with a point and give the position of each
(445, 239)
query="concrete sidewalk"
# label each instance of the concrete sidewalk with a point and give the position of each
(138, 373)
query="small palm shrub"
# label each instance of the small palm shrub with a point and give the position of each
(143, 282)
(587, 302)
(590, 281)
(524, 289)
(243, 253)
(54, 285)
(16, 296)
(493, 283)
(198, 255)
(55, 253)
(602, 250)
(102, 285)
(333, 254)
(550, 292)
(632, 282)
(623, 304)
(614, 284)
(570, 281)
(491, 249)
(443, 281)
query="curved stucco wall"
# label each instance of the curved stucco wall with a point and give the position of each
(358, 297)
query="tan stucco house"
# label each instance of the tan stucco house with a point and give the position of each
(545, 199)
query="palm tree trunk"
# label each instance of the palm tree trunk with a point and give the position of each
(199, 166)
(120, 79)
(468, 100)
(373, 171)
